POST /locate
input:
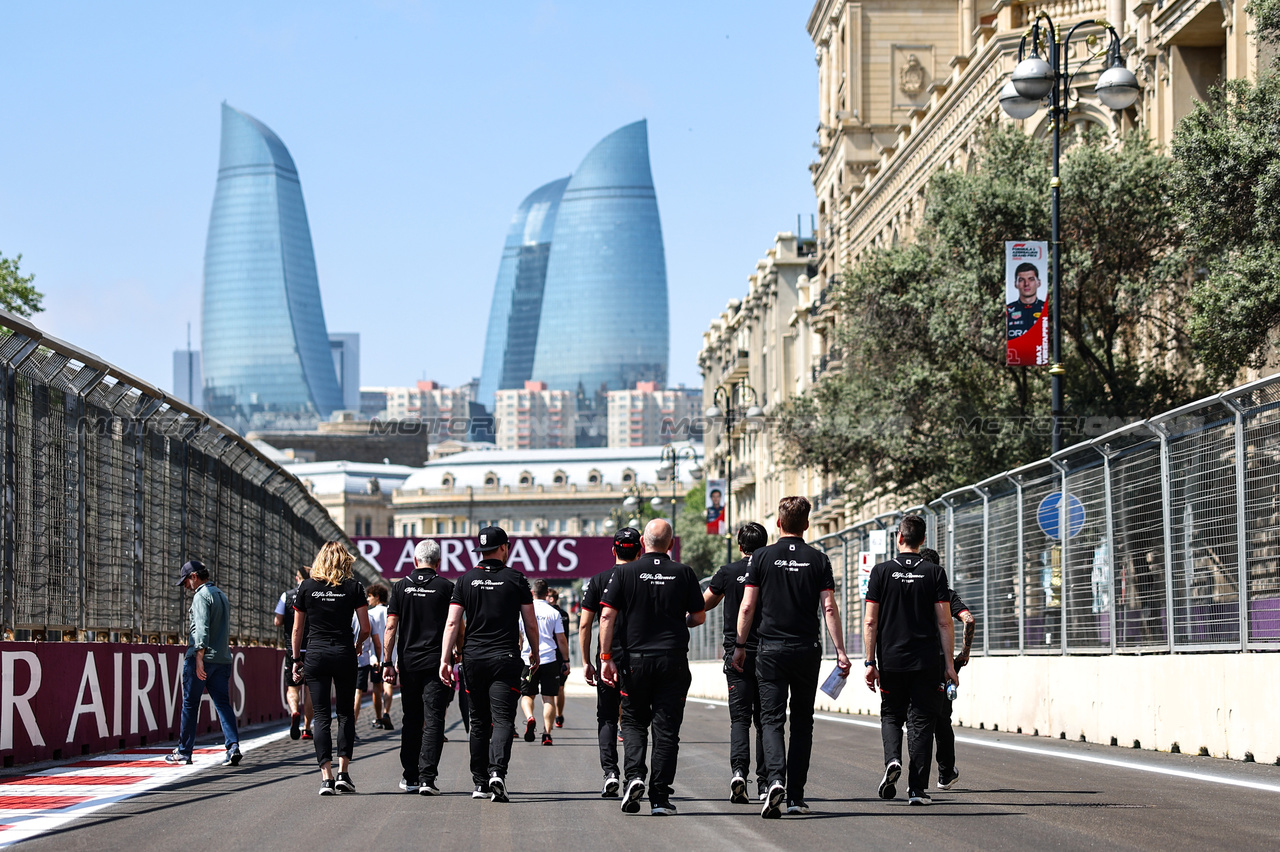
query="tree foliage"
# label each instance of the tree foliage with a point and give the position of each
(1227, 185)
(924, 401)
(16, 293)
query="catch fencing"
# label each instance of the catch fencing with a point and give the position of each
(1161, 536)
(110, 486)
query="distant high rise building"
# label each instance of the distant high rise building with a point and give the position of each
(345, 349)
(516, 311)
(604, 306)
(647, 415)
(187, 380)
(267, 356)
(535, 417)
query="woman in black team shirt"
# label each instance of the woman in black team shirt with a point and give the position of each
(325, 604)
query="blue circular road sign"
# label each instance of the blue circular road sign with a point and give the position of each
(1049, 512)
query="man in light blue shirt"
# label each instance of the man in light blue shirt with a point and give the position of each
(207, 666)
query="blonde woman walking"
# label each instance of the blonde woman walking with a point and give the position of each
(325, 604)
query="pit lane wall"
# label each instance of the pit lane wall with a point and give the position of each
(61, 700)
(1225, 703)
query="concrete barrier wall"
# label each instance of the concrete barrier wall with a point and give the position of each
(1226, 703)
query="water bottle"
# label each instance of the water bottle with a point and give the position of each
(952, 691)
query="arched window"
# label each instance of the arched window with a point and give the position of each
(560, 478)
(447, 481)
(628, 476)
(526, 479)
(594, 478)
(491, 480)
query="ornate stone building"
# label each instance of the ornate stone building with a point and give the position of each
(904, 89)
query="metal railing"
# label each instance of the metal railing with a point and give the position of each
(109, 486)
(1161, 536)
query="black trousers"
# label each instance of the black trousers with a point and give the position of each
(910, 698)
(423, 700)
(608, 705)
(782, 668)
(493, 692)
(945, 737)
(332, 667)
(654, 688)
(744, 711)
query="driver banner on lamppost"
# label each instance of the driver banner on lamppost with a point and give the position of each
(715, 507)
(1026, 311)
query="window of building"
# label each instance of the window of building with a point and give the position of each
(594, 478)
(526, 479)
(491, 480)
(628, 476)
(560, 478)
(447, 481)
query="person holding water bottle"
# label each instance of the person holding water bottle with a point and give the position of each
(943, 735)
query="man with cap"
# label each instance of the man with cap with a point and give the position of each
(207, 665)
(493, 599)
(659, 600)
(626, 548)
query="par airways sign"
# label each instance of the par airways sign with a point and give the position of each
(549, 557)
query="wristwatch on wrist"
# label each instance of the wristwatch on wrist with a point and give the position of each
(869, 663)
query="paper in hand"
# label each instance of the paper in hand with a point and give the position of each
(834, 683)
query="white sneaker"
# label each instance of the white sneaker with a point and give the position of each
(738, 789)
(773, 801)
(407, 787)
(631, 799)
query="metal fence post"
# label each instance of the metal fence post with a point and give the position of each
(1166, 508)
(10, 494)
(1242, 532)
(1111, 543)
(1022, 574)
(844, 586)
(1064, 519)
(986, 569)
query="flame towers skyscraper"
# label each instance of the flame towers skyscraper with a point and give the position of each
(266, 351)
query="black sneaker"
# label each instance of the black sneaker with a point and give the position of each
(345, 784)
(497, 789)
(233, 757)
(386, 722)
(529, 728)
(631, 799)
(480, 792)
(773, 801)
(546, 739)
(762, 790)
(892, 773)
(918, 797)
(559, 721)
(295, 726)
(328, 787)
(428, 788)
(797, 806)
(662, 809)
(611, 785)
(409, 786)
(947, 779)
(738, 790)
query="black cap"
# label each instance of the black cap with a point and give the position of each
(491, 538)
(627, 537)
(189, 568)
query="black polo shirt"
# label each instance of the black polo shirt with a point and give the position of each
(906, 588)
(729, 582)
(592, 591)
(654, 594)
(791, 577)
(491, 595)
(329, 609)
(420, 603)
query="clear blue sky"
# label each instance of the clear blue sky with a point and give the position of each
(417, 127)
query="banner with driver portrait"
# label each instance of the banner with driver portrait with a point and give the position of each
(715, 507)
(1026, 311)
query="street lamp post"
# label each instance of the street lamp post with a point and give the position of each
(1033, 80)
(726, 402)
(671, 458)
(635, 493)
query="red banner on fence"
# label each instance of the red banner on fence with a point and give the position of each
(65, 699)
(550, 557)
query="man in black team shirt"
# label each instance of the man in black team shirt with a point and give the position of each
(744, 693)
(493, 599)
(943, 734)
(626, 547)
(788, 582)
(416, 617)
(659, 600)
(908, 612)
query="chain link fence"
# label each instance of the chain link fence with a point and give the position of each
(1162, 536)
(110, 486)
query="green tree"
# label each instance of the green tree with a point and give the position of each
(1227, 185)
(925, 402)
(16, 293)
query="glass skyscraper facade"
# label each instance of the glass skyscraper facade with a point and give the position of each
(581, 295)
(266, 351)
(604, 307)
(516, 312)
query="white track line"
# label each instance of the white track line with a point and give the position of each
(1061, 754)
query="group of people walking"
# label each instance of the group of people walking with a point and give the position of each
(491, 629)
